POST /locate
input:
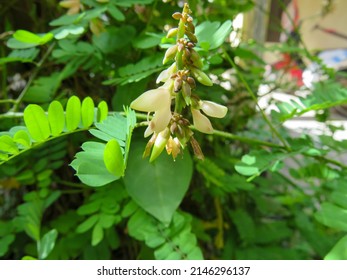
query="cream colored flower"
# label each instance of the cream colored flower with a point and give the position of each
(157, 101)
(73, 6)
(201, 122)
(166, 74)
(213, 109)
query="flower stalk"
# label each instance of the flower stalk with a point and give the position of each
(171, 130)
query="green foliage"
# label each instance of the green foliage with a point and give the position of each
(157, 187)
(324, 96)
(170, 242)
(260, 192)
(39, 128)
(99, 164)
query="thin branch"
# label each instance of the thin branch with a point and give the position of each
(32, 78)
(239, 74)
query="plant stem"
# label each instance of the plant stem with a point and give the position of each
(32, 78)
(253, 96)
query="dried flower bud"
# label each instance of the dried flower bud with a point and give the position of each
(173, 147)
(196, 148)
(177, 84)
(191, 82)
(73, 6)
(149, 146)
(173, 128)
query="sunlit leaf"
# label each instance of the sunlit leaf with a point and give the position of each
(73, 113)
(37, 123)
(56, 117)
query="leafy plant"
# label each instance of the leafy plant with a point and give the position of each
(73, 180)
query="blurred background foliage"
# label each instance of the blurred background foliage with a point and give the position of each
(244, 201)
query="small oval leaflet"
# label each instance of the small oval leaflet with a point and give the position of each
(113, 158)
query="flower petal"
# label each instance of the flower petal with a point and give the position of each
(213, 109)
(161, 119)
(201, 122)
(151, 100)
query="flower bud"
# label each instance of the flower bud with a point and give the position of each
(201, 122)
(177, 16)
(191, 36)
(74, 6)
(172, 32)
(201, 77)
(170, 54)
(196, 59)
(186, 92)
(190, 27)
(213, 109)
(191, 82)
(159, 144)
(177, 84)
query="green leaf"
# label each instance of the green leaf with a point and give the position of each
(46, 244)
(136, 72)
(22, 137)
(213, 33)
(5, 242)
(8, 145)
(247, 170)
(64, 32)
(56, 117)
(115, 13)
(113, 158)
(87, 111)
(37, 123)
(95, 174)
(244, 224)
(73, 113)
(325, 95)
(339, 252)
(97, 234)
(25, 56)
(332, 216)
(87, 224)
(31, 38)
(157, 187)
(102, 111)
(43, 89)
(114, 38)
(147, 40)
(89, 208)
